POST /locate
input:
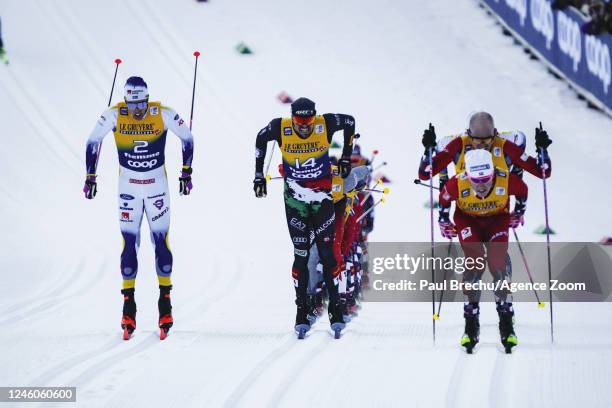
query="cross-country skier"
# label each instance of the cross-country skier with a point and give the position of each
(482, 194)
(482, 134)
(304, 140)
(140, 129)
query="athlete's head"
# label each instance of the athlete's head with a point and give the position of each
(136, 96)
(480, 171)
(482, 130)
(303, 116)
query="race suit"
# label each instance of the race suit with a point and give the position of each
(143, 186)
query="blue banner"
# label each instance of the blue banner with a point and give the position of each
(584, 60)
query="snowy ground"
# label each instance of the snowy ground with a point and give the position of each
(396, 66)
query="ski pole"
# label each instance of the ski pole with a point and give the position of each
(374, 154)
(540, 304)
(543, 167)
(379, 166)
(373, 190)
(196, 54)
(110, 98)
(369, 210)
(419, 182)
(431, 222)
(437, 315)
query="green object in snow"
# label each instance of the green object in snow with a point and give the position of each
(242, 48)
(542, 230)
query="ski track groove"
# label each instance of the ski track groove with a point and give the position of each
(112, 359)
(53, 301)
(251, 378)
(291, 377)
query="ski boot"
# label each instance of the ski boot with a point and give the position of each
(336, 320)
(506, 326)
(346, 316)
(351, 304)
(165, 311)
(128, 321)
(470, 338)
(315, 308)
(302, 324)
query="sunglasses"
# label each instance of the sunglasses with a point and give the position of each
(137, 105)
(303, 120)
(481, 180)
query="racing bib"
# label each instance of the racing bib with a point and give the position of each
(305, 159)
(497, 151)
(140, 143)
(495, 203)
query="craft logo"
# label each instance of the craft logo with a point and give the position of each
(569, 38)
(159, 203)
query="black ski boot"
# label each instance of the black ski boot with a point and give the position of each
(165, 311)
(302, 324)
(128, 321)
(315, 308)
(336, 319)
(506, 326)
(471, 313)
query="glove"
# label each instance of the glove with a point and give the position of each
(91, 187)
(429, 138)
(516, 219)
(259, 186)
(447, 229)
(542, 139)
(185, 185)
(344, 166)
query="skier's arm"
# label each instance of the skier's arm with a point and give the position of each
(105, 124)
(448, 194)
(268, 134)
(518, 188)
(526, 162)
(339, 121)
(441, 159)
(174, 123)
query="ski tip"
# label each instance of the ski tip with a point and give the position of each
(162, 334)
(301, 330)
(337, 334)
(126, 334)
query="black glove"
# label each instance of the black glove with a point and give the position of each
(259, 186)
(542, 139)
(185, 184)
(91, 187)
(344, 166)
(429, 138)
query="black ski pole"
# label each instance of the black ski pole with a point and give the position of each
(110, 98)
(540, 304)
(437, 315)
(543, 167)
(196, 54)
(420, 183)
(431, 221)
